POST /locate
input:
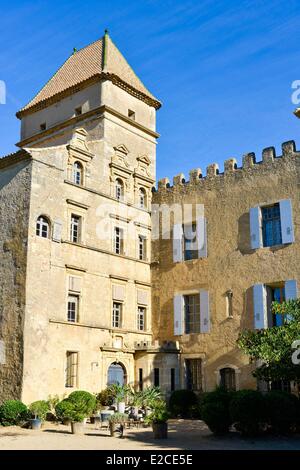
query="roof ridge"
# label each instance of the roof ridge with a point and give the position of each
(57, 71)
(126, 61)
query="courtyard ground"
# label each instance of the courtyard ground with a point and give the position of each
(183, 435)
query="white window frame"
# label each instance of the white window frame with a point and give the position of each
(76, 225)
(77, 173)
(74, 299)
(142, 198)
(141, 317)
(119, 189)
(115, 307)
(142, 247)
(118, 240)
(42, 226)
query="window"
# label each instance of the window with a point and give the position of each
(118, 241)
(78, 111)
(119, 190)
(75, 228)
(43, 126)
(116, 374)
(43, 227)
(192, 313)
(275, 294)
(190, 242)
(283, 385)
(142, 198)
(172, 380)
(117, 315)
(142, 247)
(227, 379)
(141, 318)
(73, 308)
(194, 374)
(77, 173)
(141, 384)
(229, 304)
(72, 369)
(131, 114)
(271, 225)
(156, 377)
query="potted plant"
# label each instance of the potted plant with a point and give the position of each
(96, 417)
(116, 424)
(105, 399)
(159, 419)
(77, 420)
(136, 400)
(63, 411)
(120, 393)
(150, 395)
(39, 410)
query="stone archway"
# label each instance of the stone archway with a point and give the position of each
(116, 374)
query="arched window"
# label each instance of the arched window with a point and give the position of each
(43, 227)
(116, 374)
(119, 189)
(77, 173)
(142, 198)
(227, 379)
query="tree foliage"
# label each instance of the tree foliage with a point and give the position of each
(273, 346)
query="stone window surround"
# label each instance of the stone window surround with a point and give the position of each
(230, 366)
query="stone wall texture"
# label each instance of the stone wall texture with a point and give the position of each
(15, 184)
(231, 263)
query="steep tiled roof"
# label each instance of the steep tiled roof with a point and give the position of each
(101, 58)
(12, 158)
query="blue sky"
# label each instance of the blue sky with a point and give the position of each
(223, 69)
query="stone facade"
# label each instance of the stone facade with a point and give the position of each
(231, 266)
(77, 299)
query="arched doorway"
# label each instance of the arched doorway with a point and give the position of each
(116, 374)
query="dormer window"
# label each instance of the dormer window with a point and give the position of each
(131, 114)
(78, 111)
(43, 127)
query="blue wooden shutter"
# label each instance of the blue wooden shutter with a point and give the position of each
(204, 311)
(291, 290)
(255, 228)
(202, 237)
(260, 306)
(177, 243)
(286, 218)
(178, 315)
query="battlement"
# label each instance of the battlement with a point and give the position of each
(230, 166)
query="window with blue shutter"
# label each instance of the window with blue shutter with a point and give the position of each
(271, 225)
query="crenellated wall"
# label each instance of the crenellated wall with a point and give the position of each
(231, 264)
(196, 176)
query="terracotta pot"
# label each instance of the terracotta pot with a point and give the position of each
(160, 430)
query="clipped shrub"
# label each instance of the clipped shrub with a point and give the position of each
(13, 412)
(64, 409)
(84, 402)
(214, 410)
(247, 412)
(105, 397)
(39, 409)
(281, 411)
(182, 403)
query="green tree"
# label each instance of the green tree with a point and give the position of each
(273, 346)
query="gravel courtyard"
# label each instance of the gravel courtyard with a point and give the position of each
(183, 434)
